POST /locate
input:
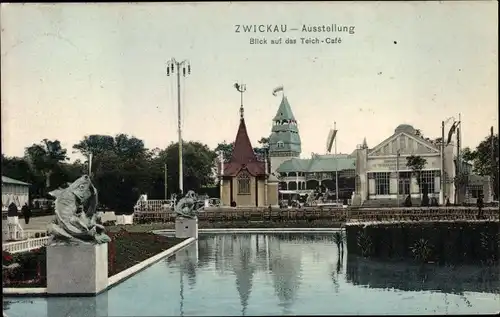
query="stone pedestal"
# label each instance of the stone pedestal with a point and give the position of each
(186, 227)
(124, 219)
(77, 269)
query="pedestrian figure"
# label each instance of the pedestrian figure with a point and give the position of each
(26, 211)
(408, 201)
(480, 205)
(12, 210)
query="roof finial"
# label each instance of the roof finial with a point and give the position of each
(364, 145)
(241, 88)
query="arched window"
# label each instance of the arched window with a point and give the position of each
(244, 184)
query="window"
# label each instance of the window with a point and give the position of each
(427, 180)
(475, 191)
(244, 184)
(402, 143)
(404, 183)
(404, 186)
(280, 144)
(382, 181)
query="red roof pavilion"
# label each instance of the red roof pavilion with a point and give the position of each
(243, 156)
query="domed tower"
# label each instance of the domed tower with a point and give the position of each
(284, 141)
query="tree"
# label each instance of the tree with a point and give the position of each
(45, 157)
(484, 163)
(261, 151)
(198, 163)
(416, 164)
(226, 149)
(120, 169)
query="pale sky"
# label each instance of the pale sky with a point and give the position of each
(70, 70)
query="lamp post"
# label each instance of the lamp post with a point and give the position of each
(336, 169)
(398, 154)
(443, 181)
(174, 66)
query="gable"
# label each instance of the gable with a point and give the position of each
(408, 145)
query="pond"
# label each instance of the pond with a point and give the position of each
(279, 274)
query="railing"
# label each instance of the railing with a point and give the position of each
(25, 245)
(153, 205)
(328, 213)
(419, 214)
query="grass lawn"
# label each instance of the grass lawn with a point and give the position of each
(126, 250)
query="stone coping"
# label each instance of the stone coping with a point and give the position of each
(371, 223)
(256, 230)
(112, 281)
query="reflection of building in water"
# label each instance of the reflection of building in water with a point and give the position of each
(78, 306)
(411, 277)
(244, 268)
(223, 251)
(286, 271)
(206, 251)
(188, 260)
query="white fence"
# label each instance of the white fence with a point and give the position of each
(25, 245)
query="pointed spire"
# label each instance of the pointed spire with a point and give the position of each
(242, 113)
(364, 145)
(284, 111)
(243, 152)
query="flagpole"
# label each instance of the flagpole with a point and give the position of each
(459, 162)
(493, 164)
(442, 165)
(336, 168)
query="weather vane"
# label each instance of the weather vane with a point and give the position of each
(241, 88)
(278, 89)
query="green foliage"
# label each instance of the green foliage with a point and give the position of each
(226, 149)
(364, 243)
(45, 157)
(122, 168)
(416, 164)
(484, 163)
(421, 250)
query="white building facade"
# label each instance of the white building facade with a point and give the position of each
(382, 174)
(14, 191)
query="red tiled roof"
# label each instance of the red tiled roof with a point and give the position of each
(243, 156)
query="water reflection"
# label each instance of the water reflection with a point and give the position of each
(413, 277)
(281, 274)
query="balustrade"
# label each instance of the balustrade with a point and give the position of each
(25, 245)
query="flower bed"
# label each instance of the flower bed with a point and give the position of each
(124, 251)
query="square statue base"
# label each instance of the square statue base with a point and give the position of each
(77, 269)
(186, 227)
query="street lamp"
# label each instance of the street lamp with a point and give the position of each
(174, 66)
(398, 154)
